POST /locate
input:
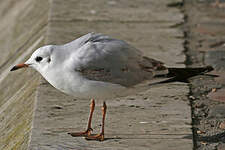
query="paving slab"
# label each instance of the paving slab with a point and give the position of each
(159, 118)
(135, 122)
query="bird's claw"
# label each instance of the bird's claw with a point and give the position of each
(83, 134)
(98, 137)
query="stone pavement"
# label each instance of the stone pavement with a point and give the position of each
(206, 46)
(159, 118)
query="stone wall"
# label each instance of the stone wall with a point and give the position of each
(23, 27)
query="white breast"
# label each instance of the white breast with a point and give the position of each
(75, 85)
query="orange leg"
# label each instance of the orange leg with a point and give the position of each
(89, 129)
(99, 137)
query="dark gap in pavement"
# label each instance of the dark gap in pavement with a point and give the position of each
(188, 62)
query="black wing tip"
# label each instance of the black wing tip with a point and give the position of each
(209, 68)
(189, 71)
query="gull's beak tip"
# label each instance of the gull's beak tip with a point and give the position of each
(13, 68)
(18, 67)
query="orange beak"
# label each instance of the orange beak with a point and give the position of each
(19, 66)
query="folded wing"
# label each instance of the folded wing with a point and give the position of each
(102, 58)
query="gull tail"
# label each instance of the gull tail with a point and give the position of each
(183, 74)
(188, 72)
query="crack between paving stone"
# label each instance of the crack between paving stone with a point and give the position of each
(188, 62)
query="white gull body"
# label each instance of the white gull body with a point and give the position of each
(94, 66)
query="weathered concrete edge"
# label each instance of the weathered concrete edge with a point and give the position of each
(40, 78)
(33, 115)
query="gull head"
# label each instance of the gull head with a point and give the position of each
(39, 60)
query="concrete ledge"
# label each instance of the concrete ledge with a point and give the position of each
(158, 118)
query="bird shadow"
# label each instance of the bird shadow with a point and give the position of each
(146, 136)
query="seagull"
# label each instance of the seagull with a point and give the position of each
(98, 66)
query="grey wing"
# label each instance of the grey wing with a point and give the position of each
(102, 58)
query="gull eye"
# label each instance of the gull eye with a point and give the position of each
(38, 58)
